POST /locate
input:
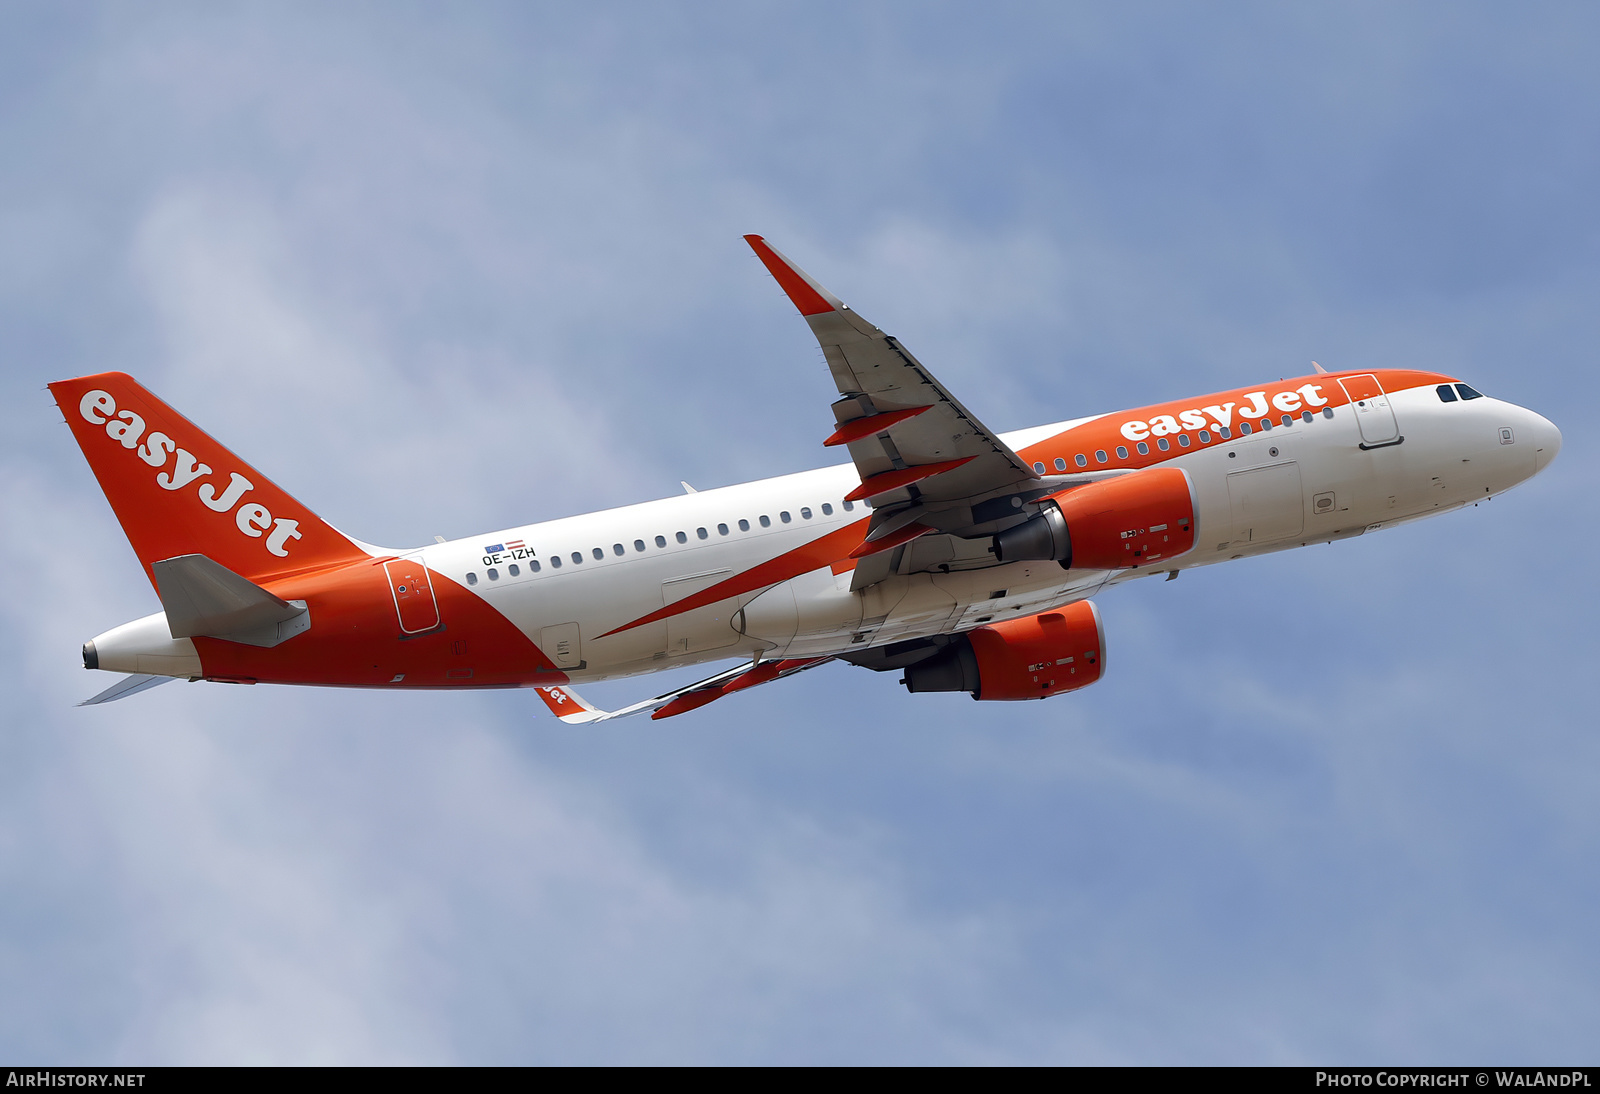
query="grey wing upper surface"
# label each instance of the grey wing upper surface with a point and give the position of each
(927, 464)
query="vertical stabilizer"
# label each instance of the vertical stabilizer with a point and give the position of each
(177, 491)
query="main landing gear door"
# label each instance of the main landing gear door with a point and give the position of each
(414, 601)
(1374, 415)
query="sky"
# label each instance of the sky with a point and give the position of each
(444, 269)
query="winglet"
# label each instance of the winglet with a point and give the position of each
(810, 297)
(569, 706)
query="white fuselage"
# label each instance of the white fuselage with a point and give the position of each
(1309, 482)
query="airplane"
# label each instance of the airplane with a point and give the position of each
(961, 558)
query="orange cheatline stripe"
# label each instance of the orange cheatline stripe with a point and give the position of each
(821, 551)
(905, 476)
(873, 423)
(807, 299)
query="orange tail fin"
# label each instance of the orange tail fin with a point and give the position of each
(177, 491)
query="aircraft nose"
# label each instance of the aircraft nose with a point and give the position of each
(1546, 441)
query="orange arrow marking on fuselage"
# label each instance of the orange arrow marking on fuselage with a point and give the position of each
(822, 551)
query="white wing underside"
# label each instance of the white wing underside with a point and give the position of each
(573, 709)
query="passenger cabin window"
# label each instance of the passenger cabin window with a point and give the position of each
(555, 562)
(1327, 412)
(598, 554)
(1038, 468)
(1183, 440)
(494, 575)
(577, 557)
(638, 545)
(805, 514)
(1244, 429)
(722, 529)
(1081, 460)
(1467, 392)
(766, 521)
(1061, 464)
(682, 537)
(533, 566)
(661, 541)
(1122, 452)
(701, 533)
(472, 578)
(1144, 449)
(1305, 415)
(1205, 437)
(849, 506)
(784, 516)
(513, 570)
(1100, 455)
(744, 526)
(827, 510)
(1266, 423)
(1288, 420)
(1161, 443)
(618, 549)
(1222, 431)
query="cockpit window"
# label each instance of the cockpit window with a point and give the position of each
(1447, 393)
(1467, 392)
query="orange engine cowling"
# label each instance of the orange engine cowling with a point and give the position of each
(1034, 657)
(1114, 524)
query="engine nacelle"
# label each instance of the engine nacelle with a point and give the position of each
(1034, 657)
(1114, 524)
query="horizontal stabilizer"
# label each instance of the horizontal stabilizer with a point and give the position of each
(205, 598)
(128, 685)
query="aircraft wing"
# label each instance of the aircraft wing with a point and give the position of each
(573, 709)
(926, 462)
